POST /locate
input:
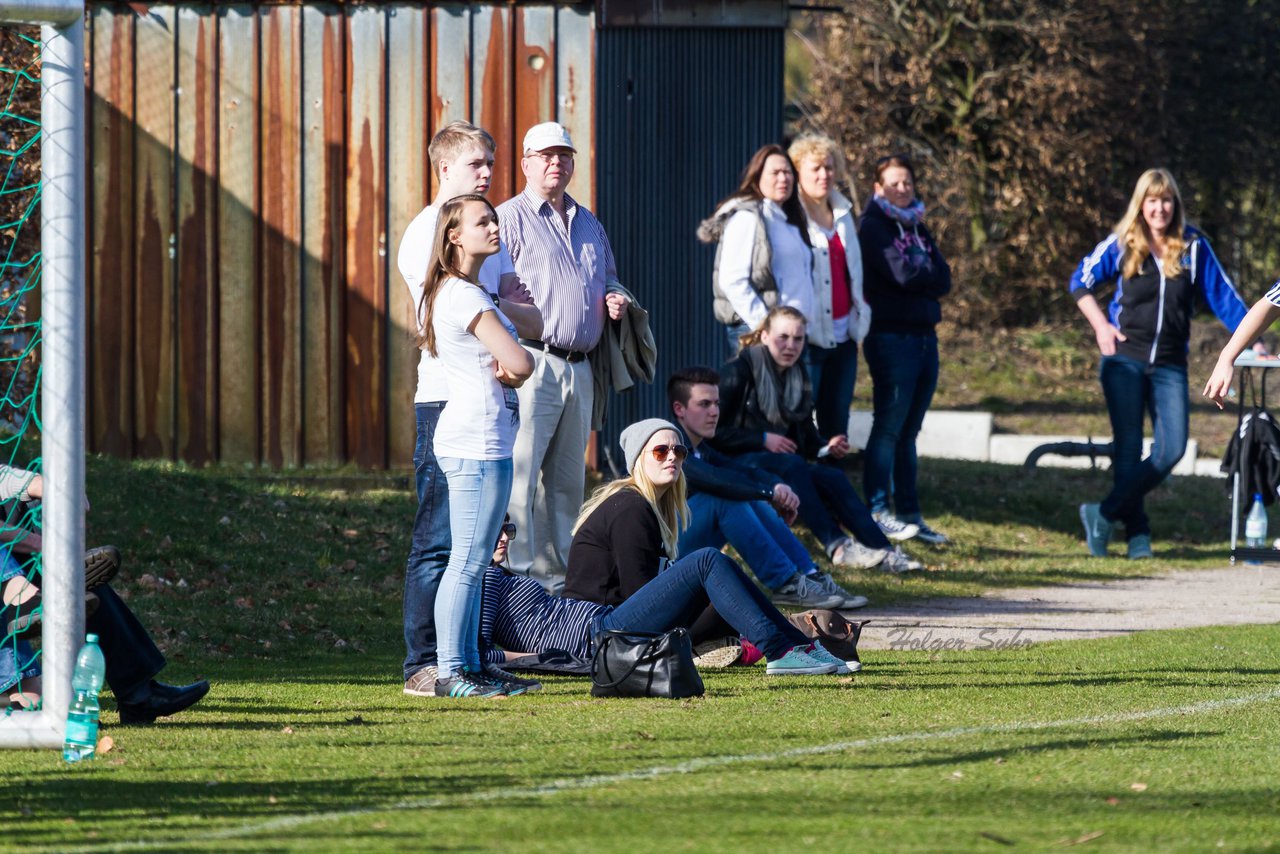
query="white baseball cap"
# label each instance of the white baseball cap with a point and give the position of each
(547, 135)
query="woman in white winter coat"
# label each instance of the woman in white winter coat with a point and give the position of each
(764, 258)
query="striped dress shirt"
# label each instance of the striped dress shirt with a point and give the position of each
(519, 615)
(566, 268)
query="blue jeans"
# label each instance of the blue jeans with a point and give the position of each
(17, 660)
(1132, 390)
(732, 331)
(904, 374)
(478, 494)
(754, 529)
(832, 373)
(429, 549)
(678, 594)
(829, 505)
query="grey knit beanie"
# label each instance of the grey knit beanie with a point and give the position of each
(635, 437)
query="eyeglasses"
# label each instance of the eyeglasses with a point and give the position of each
(509, 528)
(550, 157)
(661, 452)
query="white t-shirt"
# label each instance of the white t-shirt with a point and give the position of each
(412, 259)
(482, 416)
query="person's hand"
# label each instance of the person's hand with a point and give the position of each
(512, 289)
(507, 379)
(775, 443)
(1107, 336)
(616, 304)
(786, 502)
(1219, 383)
(838, 447)
(785, 498)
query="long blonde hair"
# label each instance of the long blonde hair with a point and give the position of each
(445, 264)
(1131, 230)
(671, 508)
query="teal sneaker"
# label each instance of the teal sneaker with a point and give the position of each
(467, 684)
(820, 653)
(798, 662)
(1097, 530)
(1140, 547)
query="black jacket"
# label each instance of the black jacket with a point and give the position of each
(707, 470)
(742, 423)
(903, 274)
(1254, 453)
(617, 551)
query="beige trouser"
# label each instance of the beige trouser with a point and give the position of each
(549, 466)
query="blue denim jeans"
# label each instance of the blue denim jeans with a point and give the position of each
(829, 505)
(832, 373)
(429, 549)
(732, 332)
(677, 595)
(17, 660)
(478, 494)
(754, 529)
(904, 374)
(1133, 389)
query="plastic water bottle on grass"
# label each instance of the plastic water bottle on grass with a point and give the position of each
(81, 739)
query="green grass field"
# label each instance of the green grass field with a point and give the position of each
(284, 591)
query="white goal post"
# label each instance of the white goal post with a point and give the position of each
(62, 355)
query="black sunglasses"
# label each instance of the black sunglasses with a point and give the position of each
(661, 452)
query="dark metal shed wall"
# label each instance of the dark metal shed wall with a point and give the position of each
(253, 166)
(679, 112)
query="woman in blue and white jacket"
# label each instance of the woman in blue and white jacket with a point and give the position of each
(1160, 265)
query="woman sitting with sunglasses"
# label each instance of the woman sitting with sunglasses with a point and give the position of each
(620, 560)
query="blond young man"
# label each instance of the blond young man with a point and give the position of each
(462, 156)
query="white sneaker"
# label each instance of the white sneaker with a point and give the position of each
(855, 554)
(715, 654)
(894, 528)
(898, 562)
(804, 591)
(828, 585)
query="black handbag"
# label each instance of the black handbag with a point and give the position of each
(638, 664)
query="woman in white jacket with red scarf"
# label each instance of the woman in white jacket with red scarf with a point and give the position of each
(840, 317)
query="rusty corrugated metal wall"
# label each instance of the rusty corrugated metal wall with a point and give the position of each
(680, 111)
(253, 166)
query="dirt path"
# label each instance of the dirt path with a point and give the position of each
(1004, 618)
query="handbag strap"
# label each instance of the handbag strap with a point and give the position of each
(600, 649)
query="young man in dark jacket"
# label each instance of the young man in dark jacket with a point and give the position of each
(748, 508)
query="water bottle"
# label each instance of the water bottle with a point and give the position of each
(1255, 526)
(81, 739)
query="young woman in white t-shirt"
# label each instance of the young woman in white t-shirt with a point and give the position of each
(476, 347)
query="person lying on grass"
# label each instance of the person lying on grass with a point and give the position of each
(522, 618)
(1259, 319)
(131, 656)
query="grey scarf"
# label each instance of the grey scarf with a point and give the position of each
(794, 404)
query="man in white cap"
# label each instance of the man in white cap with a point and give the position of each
(562, 254)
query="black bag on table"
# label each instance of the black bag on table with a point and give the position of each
(638, 664)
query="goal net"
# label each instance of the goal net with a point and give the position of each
(42, 402)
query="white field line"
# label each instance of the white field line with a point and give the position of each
(287, 822)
